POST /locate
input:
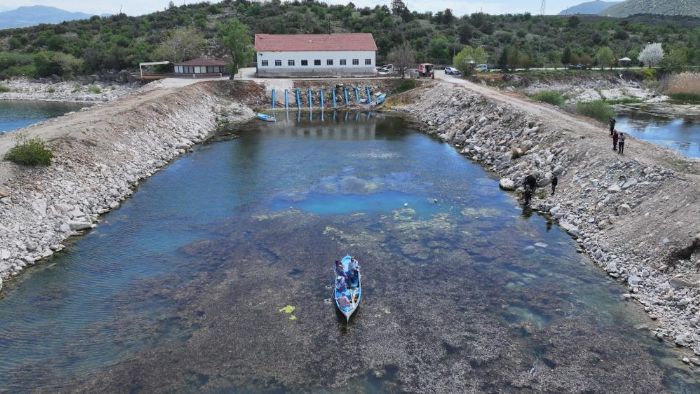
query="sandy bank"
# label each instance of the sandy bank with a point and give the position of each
(637, 216)
(100, 155)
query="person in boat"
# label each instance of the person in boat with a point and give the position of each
(344, 302)
(354, 272)
(340, 284)
(339, 269)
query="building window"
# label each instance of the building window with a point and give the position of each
(329, 62)
(278, 63)
(290, 62)
(264, 63)
(355, 62)
(343, 62)
(368, 62)
(304, 62)
(317, 62)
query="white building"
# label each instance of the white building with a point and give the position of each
(315, 55)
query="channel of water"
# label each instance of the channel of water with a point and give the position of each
(18, 114)
(180, 289)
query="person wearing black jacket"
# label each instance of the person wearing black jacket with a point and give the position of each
(612, 125)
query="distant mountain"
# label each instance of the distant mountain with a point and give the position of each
(659, 7)
(37, 14)
(589, 8)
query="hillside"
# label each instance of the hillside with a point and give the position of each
(589, 8)
(119, 42)
(34, 15)
(660, 7)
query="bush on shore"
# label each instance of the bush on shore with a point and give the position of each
(405, 85)
(4, 89)
(30, 152)
(550, 96)
(693, 98)
(597, 109)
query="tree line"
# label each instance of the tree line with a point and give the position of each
(515, 41)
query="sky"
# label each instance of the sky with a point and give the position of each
(459, 7)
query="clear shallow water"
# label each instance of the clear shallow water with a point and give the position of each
(679, 134)
(17, 114)
(180, 288)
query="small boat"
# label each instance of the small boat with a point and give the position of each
(347, 293)
(266, 117)
(377, 100)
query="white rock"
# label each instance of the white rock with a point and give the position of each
(614, 189)
(77, 226)
(507, 184)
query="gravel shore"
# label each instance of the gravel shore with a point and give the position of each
(25, 89)
(637, 216)
(100, 155)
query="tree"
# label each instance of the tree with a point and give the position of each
(468, 57)
(566, 56)
(465, 32)
(402, 57)
(574, 21)
(235, 36)
(676, 59)
(439, 49)
(181, 44)
(605, 57)
(652, 55)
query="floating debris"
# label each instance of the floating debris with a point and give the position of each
(289, 309)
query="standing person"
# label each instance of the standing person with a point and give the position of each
(615, 137)
(529, 184)
(555, 180)
(621, 144)
(612, 122)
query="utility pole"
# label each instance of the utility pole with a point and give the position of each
(543, 7)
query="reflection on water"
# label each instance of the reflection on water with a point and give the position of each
(180, 289)
(679, 134)
(17, 114)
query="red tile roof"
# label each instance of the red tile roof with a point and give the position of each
(203, 61)
(314, 42)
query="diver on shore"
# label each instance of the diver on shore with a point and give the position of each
(529, 184)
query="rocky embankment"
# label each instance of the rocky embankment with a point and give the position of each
(637, 216)
(100, 155)
(612, 86)
(24, 89)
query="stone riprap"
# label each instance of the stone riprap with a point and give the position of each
(71, 91)
(637, 216)
(99, 157)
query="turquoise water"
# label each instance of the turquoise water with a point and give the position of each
(678, 134)
(181, 288)
(17, 114)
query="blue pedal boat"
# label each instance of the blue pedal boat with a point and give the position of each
(347, 291)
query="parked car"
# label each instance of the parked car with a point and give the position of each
(482, 68)
(452, 71)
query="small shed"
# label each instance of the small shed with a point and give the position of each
(201, 67)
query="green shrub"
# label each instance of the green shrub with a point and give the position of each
(4, 89)
(693, 98)
(648, 73)
(30, 152)
(405, 85)
(550, 96)
(51, 90)
(95, 89)
(597, 109)
(624, 100)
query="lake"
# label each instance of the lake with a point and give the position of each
(182, 288)
(17, 114)
(682, 135)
